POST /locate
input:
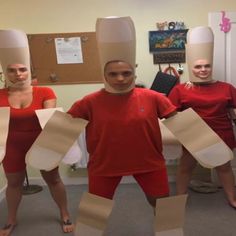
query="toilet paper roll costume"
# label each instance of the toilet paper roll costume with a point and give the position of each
(118, 44)
(14, 49)
(200, 45)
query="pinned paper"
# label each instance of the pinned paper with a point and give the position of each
(93, 215)
(58, 135)
(200, 140)
(170, 215)
(4, 126)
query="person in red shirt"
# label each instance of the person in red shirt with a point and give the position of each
(212, 101)
(123, 135)
(23, 99)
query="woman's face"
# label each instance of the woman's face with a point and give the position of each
(17, 73)
(202, 69)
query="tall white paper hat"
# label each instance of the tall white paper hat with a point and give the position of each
(116, 41)
(14, 49)
(200, 45)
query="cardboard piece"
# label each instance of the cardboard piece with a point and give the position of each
(74, 154)
(4, 126)
(45, 114)
(167, 136)
(172, 148)
(200, 140)
(58, 135)
(14, 48)
(200, 45)
(93, 215)
(172, 232)
(170, 215)
(116, 40)
(86, 230)
(82, 163)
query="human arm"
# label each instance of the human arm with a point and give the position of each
(173, 113)
(51, 103)
(79, 110)
(49, 98)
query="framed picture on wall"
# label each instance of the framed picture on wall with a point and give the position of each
(168, 46)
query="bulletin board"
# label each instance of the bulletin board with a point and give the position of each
(48, 70)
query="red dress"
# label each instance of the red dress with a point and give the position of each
(212, 102)
(24, 128)
(123, 134)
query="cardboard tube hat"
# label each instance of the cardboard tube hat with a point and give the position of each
(116, 42)
(200, 45)
(14, 49)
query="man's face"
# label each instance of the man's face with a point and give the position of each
(202, 69)
(119, 75)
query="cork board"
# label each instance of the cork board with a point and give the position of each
(49, 70)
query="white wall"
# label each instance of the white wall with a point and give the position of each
(59, 16)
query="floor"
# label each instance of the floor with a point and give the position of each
(206, 214)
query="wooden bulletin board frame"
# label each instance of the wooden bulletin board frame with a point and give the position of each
(44, 60)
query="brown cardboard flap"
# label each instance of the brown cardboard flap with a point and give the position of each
(94, 210)
(57, 137)
(170, 213)
(4, 126)
(200, 140)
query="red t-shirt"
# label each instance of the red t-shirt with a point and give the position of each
(123, 134)
(212, 103)
(24, 127)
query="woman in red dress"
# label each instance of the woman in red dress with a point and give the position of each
(212, 100)
(23, 99)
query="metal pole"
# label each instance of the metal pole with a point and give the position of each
(30, 189)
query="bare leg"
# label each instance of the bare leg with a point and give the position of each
(226, 177)
(185, 169)
(58, 193)
(13, 198)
